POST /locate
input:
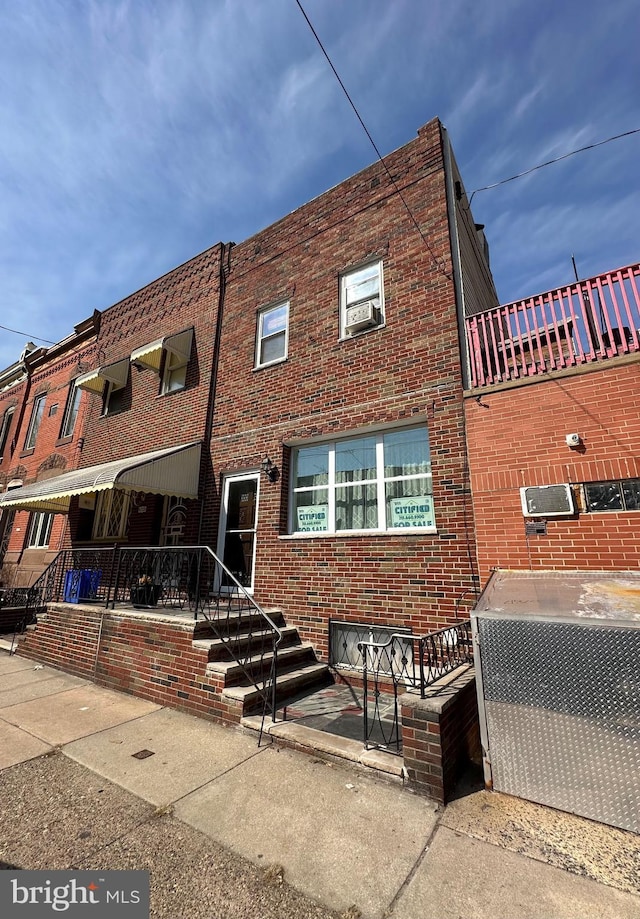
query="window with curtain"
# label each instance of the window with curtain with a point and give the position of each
(380, 481)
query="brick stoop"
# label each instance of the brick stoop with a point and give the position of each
(167, 658)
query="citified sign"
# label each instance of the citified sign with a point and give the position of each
(412, 512)
(313, 518)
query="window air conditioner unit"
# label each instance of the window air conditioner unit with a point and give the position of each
(363, 315)
(547, 501)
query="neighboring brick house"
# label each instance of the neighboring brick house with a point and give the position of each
(147, 388)
(553, 428)
(41, 437)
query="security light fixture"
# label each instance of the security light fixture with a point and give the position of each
(269, 469)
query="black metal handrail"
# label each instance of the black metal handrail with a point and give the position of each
(394, 661)
(189, 578)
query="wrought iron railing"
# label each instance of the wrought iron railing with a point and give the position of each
(186, 578)
(416, 662)
(586, 321)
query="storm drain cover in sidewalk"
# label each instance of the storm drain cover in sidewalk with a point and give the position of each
(143, 754)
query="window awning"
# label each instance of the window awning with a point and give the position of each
(150, 355)
(116, 373)
(173, 471)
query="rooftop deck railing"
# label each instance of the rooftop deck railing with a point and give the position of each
(587, 321)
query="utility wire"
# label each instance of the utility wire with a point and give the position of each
(435, 258)
(550, 162)
(26, 335)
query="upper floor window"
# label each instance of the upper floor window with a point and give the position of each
(174, 374)
(273, 334)
(4, 429)
(378, 482)
(71, 411)
(39, 530)
(168, 357)
(361, 299)
(36, 418)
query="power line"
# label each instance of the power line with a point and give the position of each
(26, 335)
(550, 162)
(435, 258)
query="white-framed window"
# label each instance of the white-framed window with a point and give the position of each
(272, 338)
(380, 481)
(71, 410)
(4, 430)
(174, 374)
(113, 398)
(361, 299)
(112, 515)
(36, 418)
(39, 530)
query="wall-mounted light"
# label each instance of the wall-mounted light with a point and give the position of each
(573, 440)
(269, 469)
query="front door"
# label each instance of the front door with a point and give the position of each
(238, 522)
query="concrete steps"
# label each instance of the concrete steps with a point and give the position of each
(240, 654)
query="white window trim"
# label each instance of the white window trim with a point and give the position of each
(75, 393)
(37, 413)
(4, 429)
(40, 527)
(260, 337)
(173, 361)
(382, 529)
(344, 279)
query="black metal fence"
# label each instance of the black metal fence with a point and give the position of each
(411, 661)
(189, 579)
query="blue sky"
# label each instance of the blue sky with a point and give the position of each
(136, 133)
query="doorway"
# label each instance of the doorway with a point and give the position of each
(238, 524)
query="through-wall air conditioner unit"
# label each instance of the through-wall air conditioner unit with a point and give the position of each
(363, 315)
(547, 501)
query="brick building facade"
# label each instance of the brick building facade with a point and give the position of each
(560, 415)
(43, 416)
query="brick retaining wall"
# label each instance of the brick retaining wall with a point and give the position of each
(440, 734)
(144, 655)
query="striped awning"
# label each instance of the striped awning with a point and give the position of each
(150, 355)
(94, 381)
(173, 471)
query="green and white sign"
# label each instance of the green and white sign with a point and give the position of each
(412, 512)
(313, 518)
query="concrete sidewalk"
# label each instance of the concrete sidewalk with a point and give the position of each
(91, 778)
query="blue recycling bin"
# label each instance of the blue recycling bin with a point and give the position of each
(81, 584)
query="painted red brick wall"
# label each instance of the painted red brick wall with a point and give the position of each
(409, 372)
(516, 437)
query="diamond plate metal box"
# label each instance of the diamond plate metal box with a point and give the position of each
(559, 691)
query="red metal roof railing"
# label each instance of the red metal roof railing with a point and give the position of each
(586, 321)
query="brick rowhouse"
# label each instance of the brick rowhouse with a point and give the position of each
(516, 437)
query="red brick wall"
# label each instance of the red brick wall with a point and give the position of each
(439, 738)
(51, 455)
(516, 437)
(186, 296)
(139, 655)
(409, 371)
